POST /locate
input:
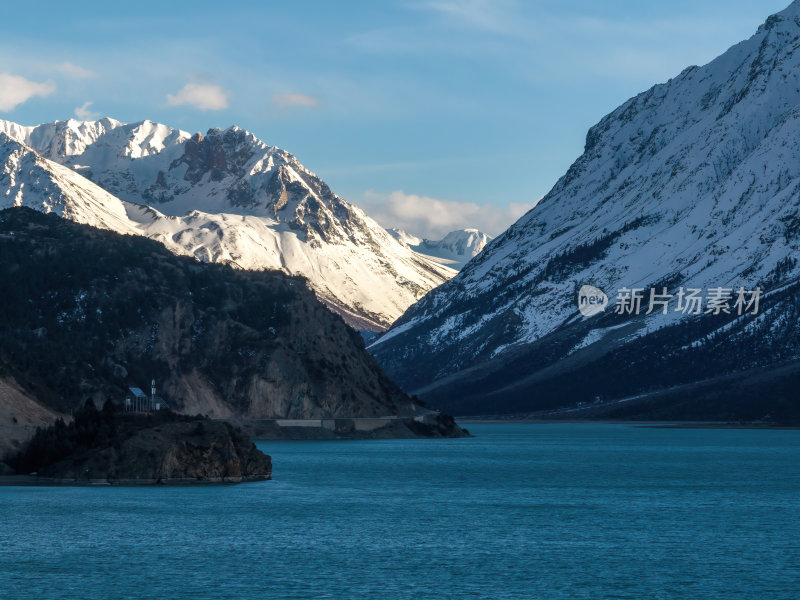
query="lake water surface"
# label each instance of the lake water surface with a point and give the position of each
(546, 512)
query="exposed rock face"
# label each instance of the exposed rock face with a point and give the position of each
(20, 415)
(217, 155)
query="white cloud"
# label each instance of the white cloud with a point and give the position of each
(434, 218)
(15, 90)
(83, 112)
(205, 96)
(289, 100)
(72, 70)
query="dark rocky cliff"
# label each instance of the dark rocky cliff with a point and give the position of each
(114, 447)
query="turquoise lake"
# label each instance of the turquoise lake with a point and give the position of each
(546, 512)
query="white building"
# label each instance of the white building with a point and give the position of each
(137, 401)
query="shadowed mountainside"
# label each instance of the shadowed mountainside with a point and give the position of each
(88, 312)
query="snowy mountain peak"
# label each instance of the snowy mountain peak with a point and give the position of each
(223, 197)
(69, 141)
(454, 250)
(464, 242)
(61, 138)
(29, 179)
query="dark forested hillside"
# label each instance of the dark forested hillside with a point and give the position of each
(87, 313)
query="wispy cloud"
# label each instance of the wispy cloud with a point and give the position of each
(291, 100)
(15, 89)
(83, 112)
(72, 70)
(204, 96)
(433, 218)
(533, 42)
(496, 16)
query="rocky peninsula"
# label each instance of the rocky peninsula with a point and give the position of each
(110, 447)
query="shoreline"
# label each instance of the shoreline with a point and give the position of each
(37, 481)
(643, 424)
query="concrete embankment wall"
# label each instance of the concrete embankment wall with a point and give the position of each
(358, 424)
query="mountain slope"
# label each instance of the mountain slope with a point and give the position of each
(91, 313)
(228, 197)
(453, 250)
(694, 183)
(28, 179)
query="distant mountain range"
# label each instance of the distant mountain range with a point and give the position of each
(224, 197)
(454, 250)
(693, 184)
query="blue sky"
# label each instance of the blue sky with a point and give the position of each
(430, 114)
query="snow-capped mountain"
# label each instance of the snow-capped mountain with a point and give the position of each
(29, 179)
(454, 250)
(228, 197)
(694, 183)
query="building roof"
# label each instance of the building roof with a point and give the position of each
(137, 392)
